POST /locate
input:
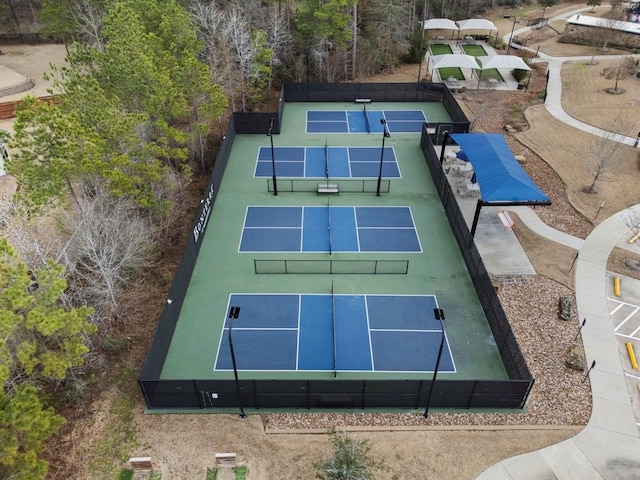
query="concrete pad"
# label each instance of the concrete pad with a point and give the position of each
(613, 417)
(611, 387)
(599, 337)
(530, 465)
(568, 462)
(614, 455)
(500, 250)
(495, 472)
(593, 307)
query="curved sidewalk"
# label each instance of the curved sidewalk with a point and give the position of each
(553, 100)
(609, 446)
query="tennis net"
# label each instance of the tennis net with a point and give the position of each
(329, 225)
(330, 267)
(333, 319)
(366, 117)
(326, 159)
(347, 185)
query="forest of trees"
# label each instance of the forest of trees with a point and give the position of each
(259, 43)
(101, 170)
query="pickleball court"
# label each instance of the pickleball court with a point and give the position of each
(334, 333)
(364, 120)
(329, 229)
(325, 162)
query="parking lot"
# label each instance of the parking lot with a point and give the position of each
(625, 317)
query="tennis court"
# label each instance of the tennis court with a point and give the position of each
(363, 120)
(334, 333)
(325, 162)
(329, 229)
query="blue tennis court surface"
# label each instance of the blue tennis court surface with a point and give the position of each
(292, 332)
(364, 121)
(329, 229)
(334, 162)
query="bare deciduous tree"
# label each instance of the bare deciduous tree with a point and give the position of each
(279, 40)
(621, 70)
(631, 218)
(31, 240)
(109, 244)
(88, 18)
(603, 150)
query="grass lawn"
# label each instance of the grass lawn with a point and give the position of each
(440, 49)
(127, 474)
(490, 73)
(474, 50)
(447, 72)
(240, 473)
(212, 474)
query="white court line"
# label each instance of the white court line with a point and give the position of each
(366, 312)
(264, 329)
(414, 330)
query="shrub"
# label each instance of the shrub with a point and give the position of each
(114, 345)
(519, 74)
(350, 460)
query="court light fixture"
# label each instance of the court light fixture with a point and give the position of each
(512, 29)
(593, 364)
(385, 135)
(234, 313)
(438, 313)
(272, 121)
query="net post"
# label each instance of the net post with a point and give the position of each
(326, 160)
(366, 117)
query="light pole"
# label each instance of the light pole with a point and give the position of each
(385, 134)
(593, 364)
(513, 27)
(422, 54)
(439, 314)
(233, 314)
(273, 157)
(543, 12)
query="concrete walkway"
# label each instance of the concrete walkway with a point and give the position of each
(609, 446)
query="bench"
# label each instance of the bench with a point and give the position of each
(363, 100)
(328, 188)
(141, 464)
(505, 219)
(226, 460)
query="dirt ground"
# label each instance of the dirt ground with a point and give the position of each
(182, 446)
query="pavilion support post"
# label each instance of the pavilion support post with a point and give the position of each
(474, 224)
(445, 140)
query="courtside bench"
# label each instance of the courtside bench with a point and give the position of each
(328, 188)
(505, 219)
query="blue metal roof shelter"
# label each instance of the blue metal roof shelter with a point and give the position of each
(502, 180)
